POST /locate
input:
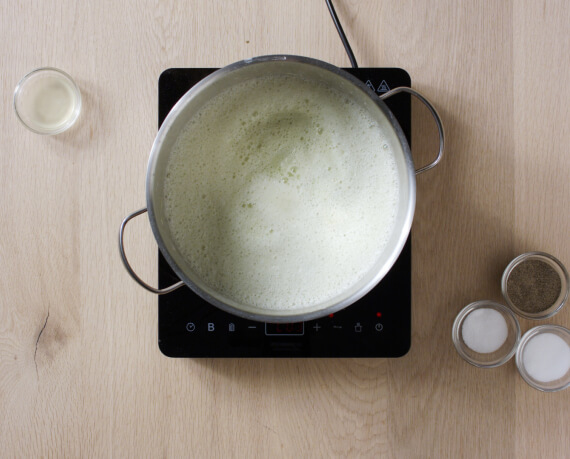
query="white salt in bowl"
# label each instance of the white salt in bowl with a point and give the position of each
(543, 358)
(486, 334)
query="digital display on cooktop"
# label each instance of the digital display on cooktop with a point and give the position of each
(378, 325)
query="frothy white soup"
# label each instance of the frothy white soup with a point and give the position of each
(281, 193)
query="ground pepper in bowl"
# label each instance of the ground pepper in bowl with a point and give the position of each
(535, 285)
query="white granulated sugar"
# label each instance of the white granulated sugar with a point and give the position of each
(546, 357)
(484, 330)
(281, 193)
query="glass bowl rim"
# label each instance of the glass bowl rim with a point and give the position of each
(480, 305)
(76, 90)
(539, 329)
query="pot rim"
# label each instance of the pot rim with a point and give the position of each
(282, 316)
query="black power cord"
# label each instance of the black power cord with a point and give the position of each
(342, 35)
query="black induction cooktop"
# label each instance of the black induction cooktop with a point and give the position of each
(378, 325)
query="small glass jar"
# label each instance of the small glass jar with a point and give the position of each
(497, 355)
(535, 285)
(543, 358)
(47, 101)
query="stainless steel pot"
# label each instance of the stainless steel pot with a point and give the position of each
(212, 85)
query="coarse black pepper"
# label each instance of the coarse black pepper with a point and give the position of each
(533, 286)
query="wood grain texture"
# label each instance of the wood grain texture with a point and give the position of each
(81, 374)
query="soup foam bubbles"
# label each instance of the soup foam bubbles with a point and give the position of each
(281, 193)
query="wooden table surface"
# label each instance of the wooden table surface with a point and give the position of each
(81, 374)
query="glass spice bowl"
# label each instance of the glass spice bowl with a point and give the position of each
(47, 101)
(535, 285)
(542, 358)
(499, 354)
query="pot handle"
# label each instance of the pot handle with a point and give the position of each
(435, 115)
(128, 266)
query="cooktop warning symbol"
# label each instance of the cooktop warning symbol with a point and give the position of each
(370, 85)
(383, 87)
